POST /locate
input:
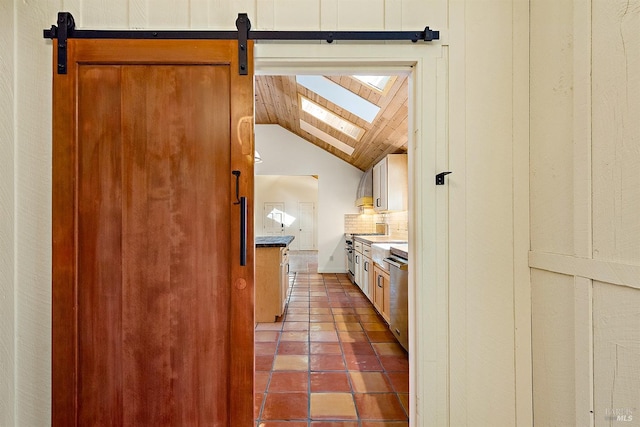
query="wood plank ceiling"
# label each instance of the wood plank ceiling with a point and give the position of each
(277, 102)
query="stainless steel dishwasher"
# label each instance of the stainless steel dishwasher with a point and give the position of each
(398, 303)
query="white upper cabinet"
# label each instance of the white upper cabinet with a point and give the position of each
(390, 186)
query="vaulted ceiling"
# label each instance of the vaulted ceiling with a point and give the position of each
(277, 102)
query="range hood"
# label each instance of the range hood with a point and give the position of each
(364, 195)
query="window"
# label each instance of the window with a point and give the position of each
(333, 120)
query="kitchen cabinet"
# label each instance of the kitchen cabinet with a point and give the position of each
(390, 184)
(357, 263)
(366, 275)
(271, 279)
(381, 291)
(363, 274)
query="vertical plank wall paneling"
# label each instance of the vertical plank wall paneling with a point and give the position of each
(487, 376)
(521, 218)
(616, 203)
(616, 132)
(553, 385)
(297, 14)
(616, 341)
(102, 14)
(585, 195)
(551, 183)
(551, 127)
(392, 14)
(168, 13)
(223, 13)
(361, 15)
(32, 162)
(265, 14)
(7, 217)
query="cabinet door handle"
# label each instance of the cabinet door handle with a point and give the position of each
(379, 277)
(366, 266)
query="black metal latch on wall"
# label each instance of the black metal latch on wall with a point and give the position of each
(66, 29)
(440, 177)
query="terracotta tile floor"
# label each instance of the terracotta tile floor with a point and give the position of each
(330, 361)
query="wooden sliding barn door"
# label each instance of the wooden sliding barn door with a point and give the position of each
(152, 311)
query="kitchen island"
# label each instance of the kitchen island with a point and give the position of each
(271, 276)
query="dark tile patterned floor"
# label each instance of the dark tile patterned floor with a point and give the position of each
(330, 361)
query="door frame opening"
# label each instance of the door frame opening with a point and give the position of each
(428, 223)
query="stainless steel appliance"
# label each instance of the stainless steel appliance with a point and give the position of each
(381, 230)
(398, 303)
(348, 247)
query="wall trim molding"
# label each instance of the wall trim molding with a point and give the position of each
(614, 273)
(428, 275)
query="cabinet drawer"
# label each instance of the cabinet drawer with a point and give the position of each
(366, 250)
(357, 246)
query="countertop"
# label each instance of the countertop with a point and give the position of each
(377, 239)
(273, 241)
(401, 250)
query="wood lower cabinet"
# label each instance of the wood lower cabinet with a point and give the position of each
(381, 291)
(366, 277)
(272, 282)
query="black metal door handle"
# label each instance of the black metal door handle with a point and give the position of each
(242, 201)
(243, 231)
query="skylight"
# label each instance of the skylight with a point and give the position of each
(326, 116)
(380, 83)
(340, 96)
(326, 137)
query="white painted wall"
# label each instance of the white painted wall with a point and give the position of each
(489, 290)
(7, 217)
(290, 190)
(284, 153)
(585, 199)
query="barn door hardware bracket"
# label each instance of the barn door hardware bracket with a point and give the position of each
(243, 25)
(440, 177)
(62, 32)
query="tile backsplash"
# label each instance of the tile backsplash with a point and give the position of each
(366, 223)
(398, 223)
(359, 223)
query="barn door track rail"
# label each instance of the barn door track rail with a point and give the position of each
(65, 29)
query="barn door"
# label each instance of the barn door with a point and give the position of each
(152, 309)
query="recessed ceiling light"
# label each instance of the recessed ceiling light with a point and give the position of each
(333, 120)
(340, 96)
